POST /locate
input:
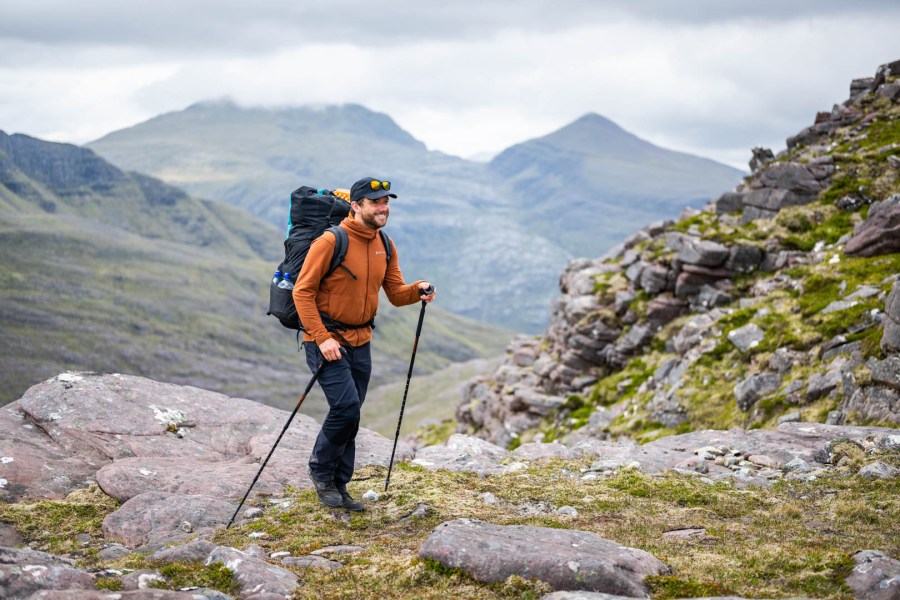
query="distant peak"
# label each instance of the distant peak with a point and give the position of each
(594, 121)
(223, 102)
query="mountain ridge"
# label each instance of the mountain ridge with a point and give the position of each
(106, 270)
(453, 211)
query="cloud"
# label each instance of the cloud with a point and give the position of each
(237, 25)
(708, 77)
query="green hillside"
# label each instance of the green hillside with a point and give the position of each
(118, 272)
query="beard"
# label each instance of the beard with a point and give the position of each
(371, 221)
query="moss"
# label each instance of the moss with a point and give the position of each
(625, 383)
(665, 587)
(433, 434)
(818, 292)
(112, 584)
(771, 406)
(54, 524)
(848, 184)
(181, 575)
(881, 133)
(829, 230)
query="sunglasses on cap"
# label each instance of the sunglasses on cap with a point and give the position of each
(380, 185)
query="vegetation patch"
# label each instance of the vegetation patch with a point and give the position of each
(62, 526)
(794, 539)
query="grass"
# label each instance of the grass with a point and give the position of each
(795, 539)
(54, 525)
(122, 303)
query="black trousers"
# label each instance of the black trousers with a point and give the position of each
(344, 382)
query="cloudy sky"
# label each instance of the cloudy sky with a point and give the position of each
(711, 77)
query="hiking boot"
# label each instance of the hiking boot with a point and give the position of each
(327, 492)
(349, 502)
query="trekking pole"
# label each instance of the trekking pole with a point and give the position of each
(412, 360)
(286, 425)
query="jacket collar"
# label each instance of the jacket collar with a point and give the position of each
(358, 229)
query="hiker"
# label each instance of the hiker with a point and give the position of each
(338, 314)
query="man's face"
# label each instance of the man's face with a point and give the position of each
(373, 213)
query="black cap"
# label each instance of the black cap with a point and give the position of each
(363, 189)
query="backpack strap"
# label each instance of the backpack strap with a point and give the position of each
(386, 240)
(340, 249)
(341, 242)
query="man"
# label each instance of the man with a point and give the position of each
(338, 313)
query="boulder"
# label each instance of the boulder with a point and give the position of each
(665, 308)
(135, 435)
(24, 571)
(691, 282)
(130, 477)
(744, 259)
(33, 465)
(311, 562)
(768, 201)
(746, 337)
(540, 451)
(703, 252)
(874, 403)
(9, 536)
(861, 85)
(463, 453)
(254, 576)
(747, 392)
(149, 594)
(710, 297)
(876, 576)
(695, 331)
(790, 176)
(886, 372)
(155, 519)
(890, 339)
(880, 232)
(822, 384)
(654, 278)
(807, 441)
(565, 559)
(729, 202)
(879, 470)
(195, 551)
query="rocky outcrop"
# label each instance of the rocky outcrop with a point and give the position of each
(680, 277)
(875, 577)
(23, 571)
(255, 576)
(890, 340)
(133, 436)
(565, 559)
(880, 232)
(759, 456)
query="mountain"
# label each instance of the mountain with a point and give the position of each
(778, 302)
(108, 270)
(596, 182)
(452, 216)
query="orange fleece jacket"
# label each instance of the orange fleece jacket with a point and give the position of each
(348, 300)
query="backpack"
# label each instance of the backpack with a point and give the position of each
(312, 213)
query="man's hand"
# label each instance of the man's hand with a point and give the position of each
(427, 291)
(330, 349)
